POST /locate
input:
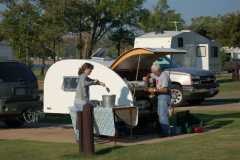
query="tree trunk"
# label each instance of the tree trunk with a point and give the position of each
(54, 51)
(80, 45)
(90, 48)
(27, 57)
(119, 48)
(235, 74)
(43, 66)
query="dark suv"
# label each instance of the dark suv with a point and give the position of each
(18, 93)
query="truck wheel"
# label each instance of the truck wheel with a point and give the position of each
(14, 122)
(177, 95)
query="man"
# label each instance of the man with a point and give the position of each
(162, 90)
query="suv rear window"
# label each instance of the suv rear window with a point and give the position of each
(14, 72)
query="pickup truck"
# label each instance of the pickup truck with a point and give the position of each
(189, 85)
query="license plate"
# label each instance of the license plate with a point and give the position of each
(20, 91)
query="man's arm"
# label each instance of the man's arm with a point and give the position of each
(164, 85)
(163, 90)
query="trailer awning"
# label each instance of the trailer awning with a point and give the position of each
(146, 52)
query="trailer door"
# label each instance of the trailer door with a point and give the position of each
(202, 58)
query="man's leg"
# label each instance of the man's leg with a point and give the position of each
(163, 114)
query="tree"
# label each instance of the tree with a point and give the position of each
(225, 29)
(93, 17)
(52, 25)
(161, 18)
(230, 32)
(20, 27)
(125, 22)
(207, 26)
(9, 3)
(98, 17)
(33, 28)
(122, 36)
(77, 20)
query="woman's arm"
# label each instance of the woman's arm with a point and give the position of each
(88, 82)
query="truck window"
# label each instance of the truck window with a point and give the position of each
(214, 52)
(70, 83)
(15, 72)
(166, 63)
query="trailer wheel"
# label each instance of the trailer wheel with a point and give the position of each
(177, 95)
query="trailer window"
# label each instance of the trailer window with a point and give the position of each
(214, 52)
(70, 83)
(180, 42)
(201, 51)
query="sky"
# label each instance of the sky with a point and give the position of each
(196, 8)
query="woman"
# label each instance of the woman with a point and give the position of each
(82, 92)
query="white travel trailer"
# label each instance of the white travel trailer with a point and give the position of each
(232, 53)
(202, 53)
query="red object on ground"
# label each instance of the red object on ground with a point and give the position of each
(198, 130)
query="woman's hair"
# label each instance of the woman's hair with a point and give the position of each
(84, 67)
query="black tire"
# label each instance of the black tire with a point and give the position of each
(177, 95)
(14, 122)
(195, 101)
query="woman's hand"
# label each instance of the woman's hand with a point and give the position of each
(99, 83)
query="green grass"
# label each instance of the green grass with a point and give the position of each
(220, 144)
(229, 86)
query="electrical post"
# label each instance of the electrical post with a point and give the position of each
(85, 127)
